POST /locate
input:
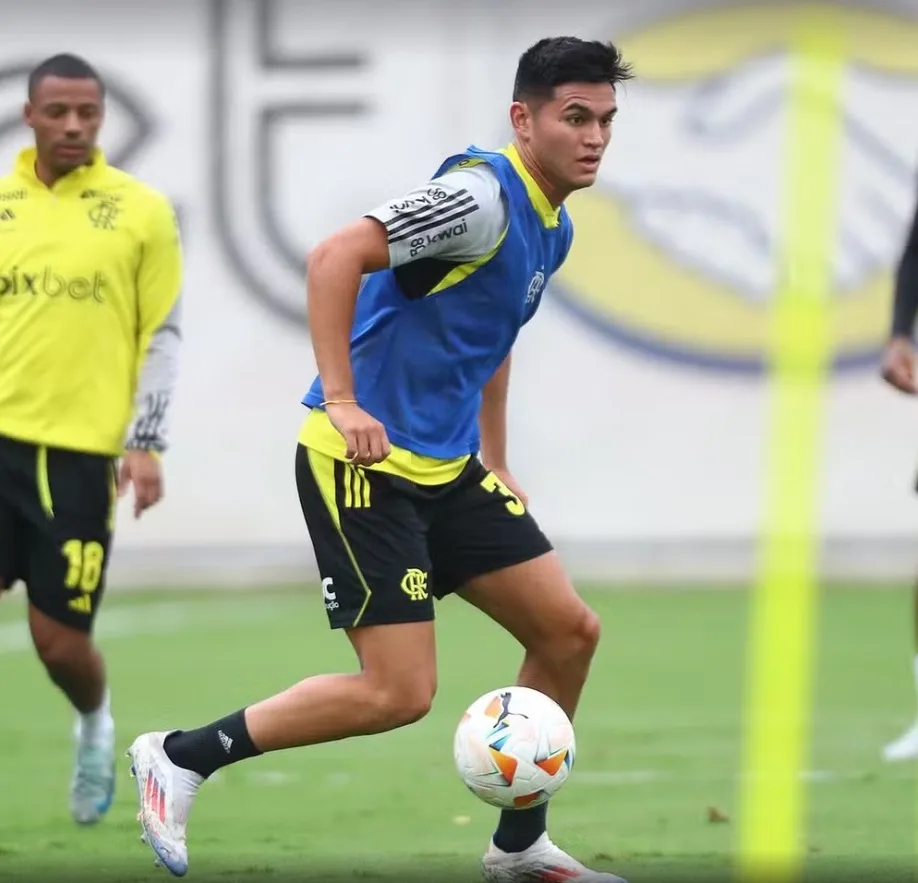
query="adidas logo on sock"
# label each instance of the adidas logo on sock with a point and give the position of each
(225, 740)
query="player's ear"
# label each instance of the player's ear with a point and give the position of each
(521, 119)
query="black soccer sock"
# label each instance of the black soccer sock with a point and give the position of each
(207, 749)
(518, 829)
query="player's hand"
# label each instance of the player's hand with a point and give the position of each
(366, 439)
(512, 485)
(899, 365)
(144, 471)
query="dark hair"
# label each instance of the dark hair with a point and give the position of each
(555, 61)
(68, 67)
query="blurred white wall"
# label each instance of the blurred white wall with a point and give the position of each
(272, 123)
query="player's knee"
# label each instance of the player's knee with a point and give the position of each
(582, 634)
(401, 704)
(574, 640)
(590, 630)
(415, 706)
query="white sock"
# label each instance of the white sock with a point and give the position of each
(92, 723)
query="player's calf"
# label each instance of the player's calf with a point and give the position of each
(558, 664)
(536, 602)
(395, 687)
(76, 667)
(71, 660)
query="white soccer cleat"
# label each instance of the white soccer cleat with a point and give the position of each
(904, 748)
(93, 786)
(166, 794)
(543, 861)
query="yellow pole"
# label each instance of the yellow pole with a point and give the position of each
(782, 641)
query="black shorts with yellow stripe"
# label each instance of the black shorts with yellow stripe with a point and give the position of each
(57, 512)
(386, 546)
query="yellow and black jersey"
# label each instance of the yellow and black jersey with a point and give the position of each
(90, 274)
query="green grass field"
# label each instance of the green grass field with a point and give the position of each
(659, 735)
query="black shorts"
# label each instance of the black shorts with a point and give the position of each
(56, 518)
(386, 547)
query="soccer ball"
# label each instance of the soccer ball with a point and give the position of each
(514, 748)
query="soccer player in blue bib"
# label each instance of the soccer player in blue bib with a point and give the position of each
(401, 463)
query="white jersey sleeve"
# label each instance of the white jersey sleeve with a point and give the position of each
(156, 385)
(457, 216)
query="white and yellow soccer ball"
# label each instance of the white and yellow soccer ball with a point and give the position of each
(514, 748)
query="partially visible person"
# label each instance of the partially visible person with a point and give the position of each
(90, 276)
(899, 371)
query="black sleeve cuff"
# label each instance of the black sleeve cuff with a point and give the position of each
(905, 304)
(155, 445)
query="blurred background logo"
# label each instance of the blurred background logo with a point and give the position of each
(676, 248)
(275, 110)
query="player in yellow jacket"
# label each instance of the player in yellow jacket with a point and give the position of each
(90, 276)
